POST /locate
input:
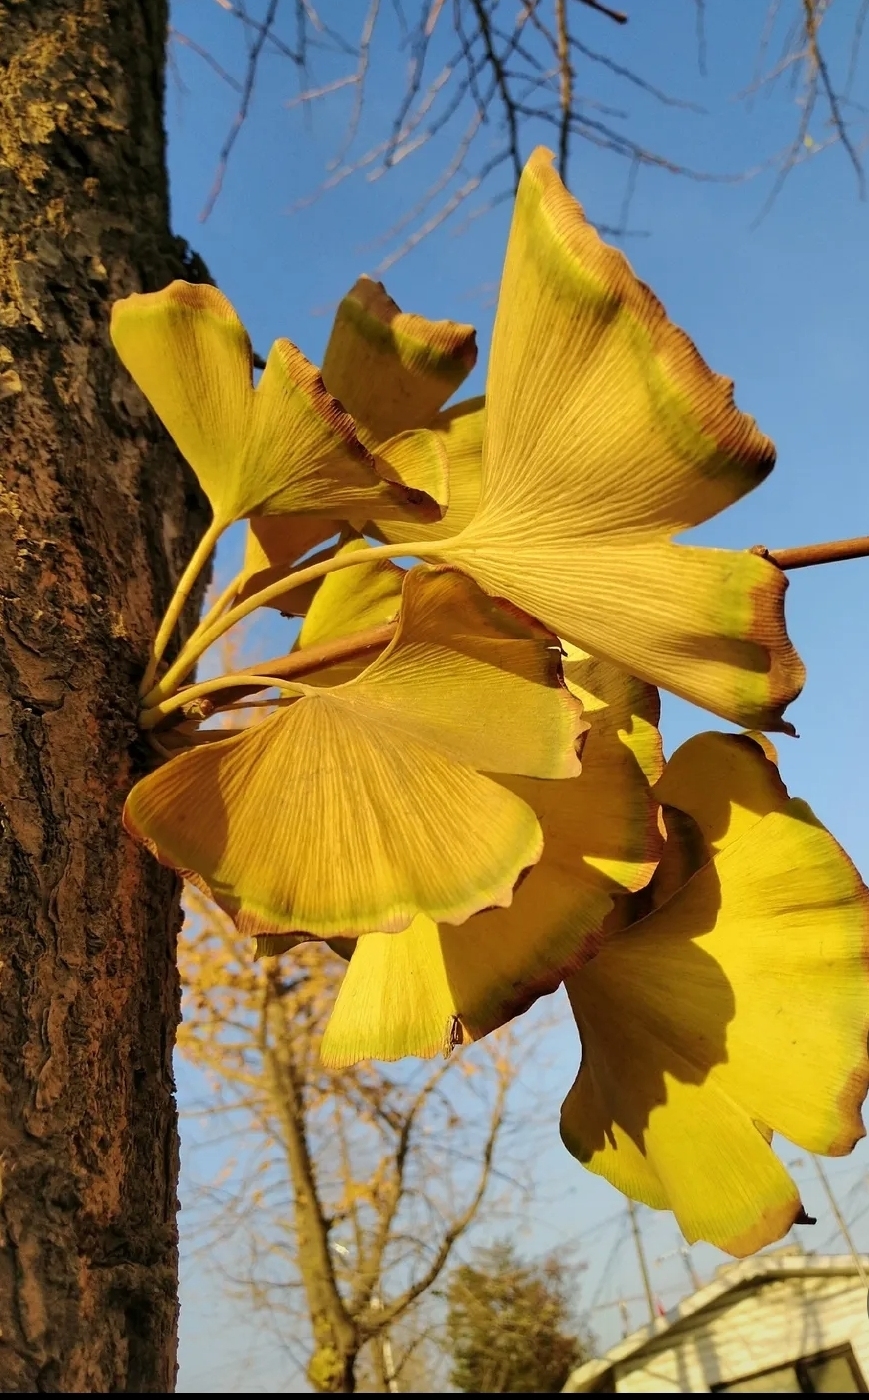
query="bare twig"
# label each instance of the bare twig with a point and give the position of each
(392, 1197)
(617, 15)
(634, 79)
(313, 17)
(445, 212)
(630, 187)
(812, 23)
(502, 85)
(802, 556)
(565, 72)
(460, 1223)
(433, 17)
(700, 21)
(263, 31)
(419, 48)
(256, 48)
(188, 43)
(359, 78)
(313, 94)
(437, 188)
(803, 60)
(856, 44)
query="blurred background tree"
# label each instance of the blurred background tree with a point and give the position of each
(352, 1188)
(512, 1324)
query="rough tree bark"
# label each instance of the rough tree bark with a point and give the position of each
(97, 516)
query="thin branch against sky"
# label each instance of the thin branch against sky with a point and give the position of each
(490, 71)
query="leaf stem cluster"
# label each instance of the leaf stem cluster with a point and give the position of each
(168, 700)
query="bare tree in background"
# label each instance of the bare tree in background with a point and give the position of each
(483, 75)
(356, 1184)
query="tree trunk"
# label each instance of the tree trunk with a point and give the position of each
(97, 517)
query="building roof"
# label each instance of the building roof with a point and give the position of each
(743, 1276)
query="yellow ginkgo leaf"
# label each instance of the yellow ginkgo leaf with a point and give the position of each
(416, 460)
(738, 1007)
(474, 678)
(355, 808)
(711, 1165)
(272, 545)
(601, 837)
(606, 435)
(352, 600)
(390, 369)
(459, 430)
(726, 782)
(395, 999)
(285, 447)
(719, 789)
(313, 822)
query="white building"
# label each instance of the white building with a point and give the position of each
(781, 1323)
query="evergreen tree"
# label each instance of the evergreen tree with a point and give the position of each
(511, 1324)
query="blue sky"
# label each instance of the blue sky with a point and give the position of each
(781, 307)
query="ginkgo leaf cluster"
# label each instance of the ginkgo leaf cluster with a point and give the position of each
(461, 784)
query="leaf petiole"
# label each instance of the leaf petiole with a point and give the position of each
(152, 715)
(203, 639)
(179, 598)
